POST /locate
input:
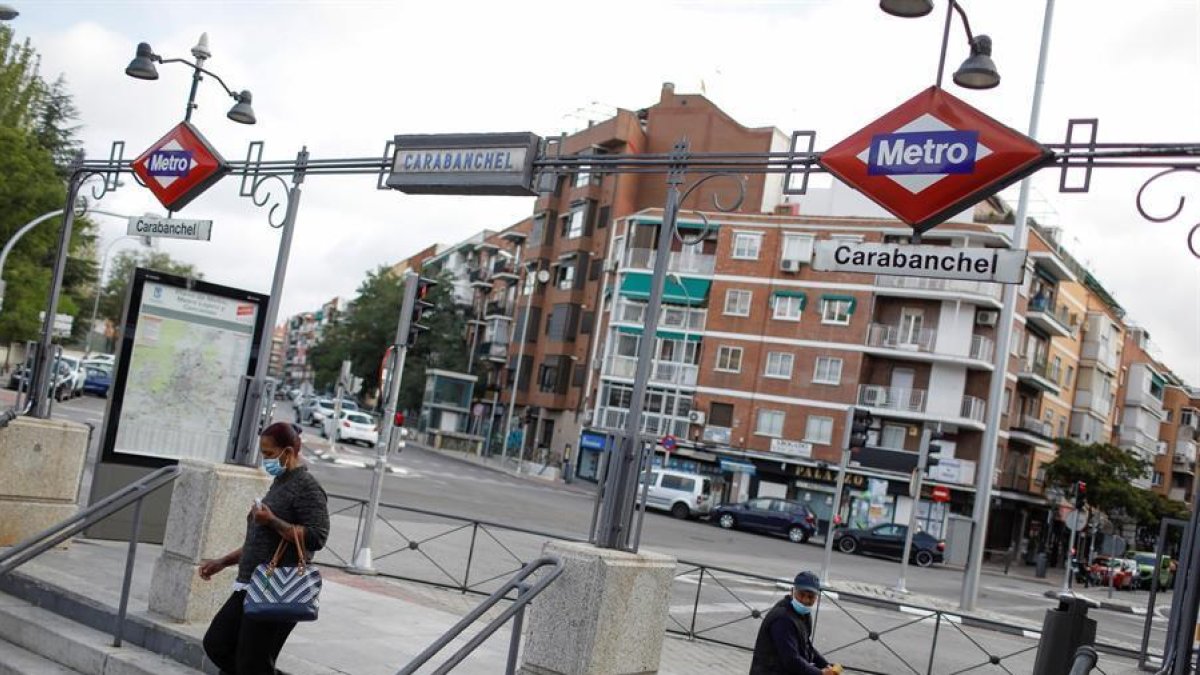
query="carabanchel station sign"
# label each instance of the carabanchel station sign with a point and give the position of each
(180, 166)
(1001, 265)
(465, 164)
(170, 228)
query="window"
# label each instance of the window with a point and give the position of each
(530, 281)
(746, 245)
(1157, 479)
(1187, 417)
(1070, 376)
(788, 307)
(770, 423)
(563, 322)
(1062, 427)
(678, 483)
(564, 277)
(737, 302)
(847, 238)
(828, 370)
(729, 359)
(573, 222)
(797, 247)
(538, 231)
(893, 436)
(720, 414)
(819, 430)
(836, 310)
(779, 364)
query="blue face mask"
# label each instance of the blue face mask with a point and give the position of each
(273, 467)
(801, 608)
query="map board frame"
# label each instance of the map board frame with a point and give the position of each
(131, 321)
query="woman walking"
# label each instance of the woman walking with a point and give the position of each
(294, 509)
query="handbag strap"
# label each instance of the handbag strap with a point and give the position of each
(297, 540)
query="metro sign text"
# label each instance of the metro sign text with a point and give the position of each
(180, 166)
(170, 163)
(937, 152)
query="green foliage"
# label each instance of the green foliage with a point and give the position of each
(120, 275)
(21, 88)
(1109, 473)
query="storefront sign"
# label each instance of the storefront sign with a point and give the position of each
(829, 476)
(793, 448)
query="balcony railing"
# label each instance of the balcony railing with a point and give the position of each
(982, 348)
(1034, 425)
(665, 372)
(1101, 353)
(1185, 451)
(670, 317)
(986, 289)
(894, 337)
(1042, 369)
(643, 258)
(1098, 404)
(497, 309)
(891, 398)
(656, 425)
(497, 350)
(973, 408)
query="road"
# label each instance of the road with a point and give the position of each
(438, 484)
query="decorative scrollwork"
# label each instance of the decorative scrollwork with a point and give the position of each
(98, 188)
(262, 200)
(1192, 237)
(739, 181)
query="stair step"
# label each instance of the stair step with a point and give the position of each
(17, 661)
(76, 648)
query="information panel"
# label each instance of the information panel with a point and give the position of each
(186, 349)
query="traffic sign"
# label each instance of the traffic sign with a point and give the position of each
(669, 442)
(1077, 520)
(1001, 265)
(931, 157)
(940, 493)
(170, 228)
(179, 166)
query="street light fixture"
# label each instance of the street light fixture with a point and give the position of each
(978, 71)
(142, 67)
(7, 13)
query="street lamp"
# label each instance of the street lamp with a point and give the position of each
(978, 71)
(540, 277)
(7, 13)
(142, 68)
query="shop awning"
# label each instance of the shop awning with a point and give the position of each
(636, 285)
(662, 334)
(737, 467)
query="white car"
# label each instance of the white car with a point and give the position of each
(78, 374)
(357, 427)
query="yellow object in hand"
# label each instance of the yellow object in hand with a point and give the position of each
(837, 668)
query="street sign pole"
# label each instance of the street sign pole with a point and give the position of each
(922, 461)
(837, 495)
(363, 562)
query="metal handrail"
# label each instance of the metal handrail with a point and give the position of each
(525, 594)
(134, 494)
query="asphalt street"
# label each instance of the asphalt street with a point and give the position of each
(436, 484)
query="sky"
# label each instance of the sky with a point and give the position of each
(342, 77)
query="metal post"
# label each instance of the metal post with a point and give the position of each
(1184, 605)
(129, 558)
(512, 397)
(643, 466)
(1069, 567)
(363, 563)
(41, 378)
(246, 447)
(945, 42)
(514, 643)
(837, 495)
(616, 514)
(922, 460)
(987, 460)
(491, 423)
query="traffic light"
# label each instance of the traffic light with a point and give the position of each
(1080, 494)
(935, 450)
(422, 307)
(859, 428)
(398, 420)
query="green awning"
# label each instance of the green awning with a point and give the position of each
(679, 223)
(636, 285)
(792, 294)
(842, 298)
(662, 334)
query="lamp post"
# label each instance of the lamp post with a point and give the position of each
(541, 276)
(142, 67)
(978, 71)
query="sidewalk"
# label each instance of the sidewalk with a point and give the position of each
(368, 625)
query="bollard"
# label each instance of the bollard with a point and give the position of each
(1040, 565)
(1085, 661)
(1064, 631)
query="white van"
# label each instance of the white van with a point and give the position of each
(684, 494)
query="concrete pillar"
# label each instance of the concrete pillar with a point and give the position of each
(605, 615)
(207, 520)
(41, 464)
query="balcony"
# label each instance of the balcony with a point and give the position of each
(1039, 375)
(1185, 451)
(973, 408)
(1095, 403)
(1135, 396)
(504, 270)
(479, 278)
(982, 348)
(661, 372)
(1179, 494)
(1043, 314)
(498, 310)
(670, 317)
(1132, 436)
(697, 264)
(495, 351)
(1101, 355)
(891, 398)
(883, 336)
(941, 289)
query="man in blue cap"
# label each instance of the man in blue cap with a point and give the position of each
(784, 645)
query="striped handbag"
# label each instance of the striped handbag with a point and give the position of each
(284, 593)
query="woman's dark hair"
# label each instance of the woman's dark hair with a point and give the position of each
(284, 435)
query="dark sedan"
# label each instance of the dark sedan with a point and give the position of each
(766, 514)
(888, 540)
(98, 381)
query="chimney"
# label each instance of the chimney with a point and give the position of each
(668, 92)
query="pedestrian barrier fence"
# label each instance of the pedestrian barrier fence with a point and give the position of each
(866, 633)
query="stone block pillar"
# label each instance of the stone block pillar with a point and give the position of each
(605, 615)
(41, 464)
(207, 520)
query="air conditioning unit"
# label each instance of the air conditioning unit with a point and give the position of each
(987, 318)
(696, 416)
(788, 265)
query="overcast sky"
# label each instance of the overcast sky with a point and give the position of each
(342, 77)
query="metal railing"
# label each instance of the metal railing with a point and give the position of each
(134, 494)
(982, 348)
(893, 337)
(670, 317)
(891, 398)
(973, 408)
(985, 289)
(643, 258)
(666, 372)
(516, 611)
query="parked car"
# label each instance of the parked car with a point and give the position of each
(98, 380)
(356, 426)
(1121, 572)
(1145, 570)
(683, 494)
(888, 540)
(304, 407)
(323, 410)
(767, 514)
(110, 359)
(77, 373)
(61, 389)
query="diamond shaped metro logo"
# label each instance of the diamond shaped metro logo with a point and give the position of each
(931, 157)
(180, 166)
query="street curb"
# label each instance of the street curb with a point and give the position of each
(459, 457)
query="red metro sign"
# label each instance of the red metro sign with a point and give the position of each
(931, 157)
(180, 166)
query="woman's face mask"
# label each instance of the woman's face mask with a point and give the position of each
(274, 460)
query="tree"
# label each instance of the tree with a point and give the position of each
(120, 276)
(1108, 471)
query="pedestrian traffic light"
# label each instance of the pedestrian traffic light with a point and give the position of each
(398, 420)
(935, 450)
(422, 308)
(1080, 494)
(859, 428)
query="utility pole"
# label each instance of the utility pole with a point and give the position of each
(918, 478)
(363, 563)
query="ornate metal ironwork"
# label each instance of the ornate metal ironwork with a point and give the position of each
(1192, 243)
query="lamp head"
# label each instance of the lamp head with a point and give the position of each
(201, 50)
(907, 9)
(978, 71)
(7, 12)
(142, 65)
(241, 112)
